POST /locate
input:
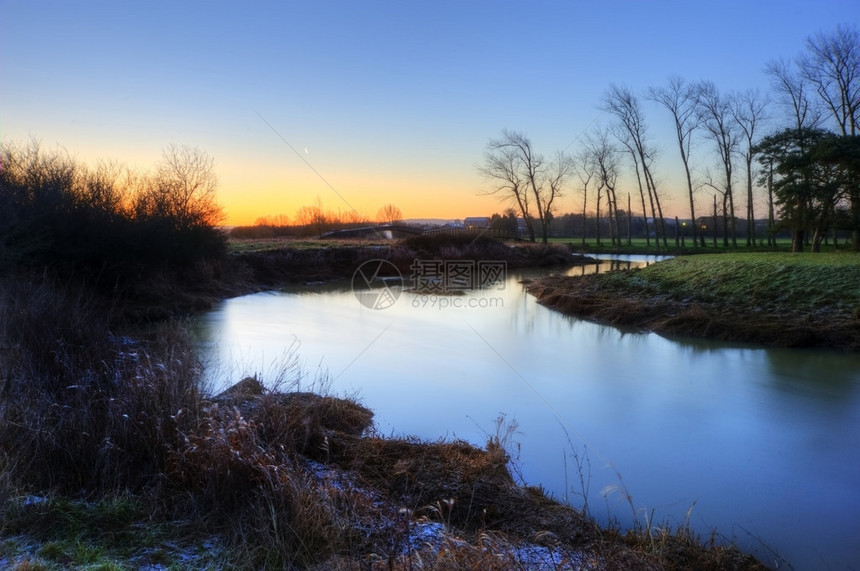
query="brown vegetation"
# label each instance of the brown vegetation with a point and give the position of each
(285, 265)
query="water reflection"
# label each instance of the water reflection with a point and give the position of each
(757, 438)
(611, 263)
(813, 374)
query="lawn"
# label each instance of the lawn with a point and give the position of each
(804, 282)
(641, 246)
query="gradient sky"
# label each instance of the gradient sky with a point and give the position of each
(383, 102)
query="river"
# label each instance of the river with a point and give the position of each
(761, 445)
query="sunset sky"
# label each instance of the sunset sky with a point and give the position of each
(364, 103)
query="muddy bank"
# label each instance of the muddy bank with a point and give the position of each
(603, 300)
(275, 267)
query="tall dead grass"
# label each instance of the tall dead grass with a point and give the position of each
(84, 408)
(87, 412)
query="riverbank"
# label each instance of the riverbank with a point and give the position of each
(272, 479)
(158, 474)
(771, 299)
(325, 261)
(113, 455)
(254, 265)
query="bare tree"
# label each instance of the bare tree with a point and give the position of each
(604, 163)
(183, 189)
(832, 65)
(715, 113)
(37, 198)
(102, 188)
(352, 216)
(389, 214)
(633, 134)
(635, 158)
(532, 170)
(679, 98)
(749, 113)
(314, 217)
(306, 215)
(557, 173)
(502, 167)
(106, 217)
(273, 220)
(517, 172)
(793, 92)
(583, 167)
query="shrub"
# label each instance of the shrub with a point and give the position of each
(103, 222)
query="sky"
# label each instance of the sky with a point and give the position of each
(359, 104)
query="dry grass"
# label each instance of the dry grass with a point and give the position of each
(84, 408)
(86, 412)
(290, 265)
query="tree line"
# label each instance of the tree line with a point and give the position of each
(808, 163)
(315, 220)
(626, 225)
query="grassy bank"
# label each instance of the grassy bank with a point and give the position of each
(686, 247)
(776, 299)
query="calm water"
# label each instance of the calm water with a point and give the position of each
(765, 443)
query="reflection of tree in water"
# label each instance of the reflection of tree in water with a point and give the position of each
(820, 374)
(620, 265)
(610, 265)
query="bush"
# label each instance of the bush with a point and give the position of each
(102, 222)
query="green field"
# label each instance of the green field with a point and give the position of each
(641, 246)
(804, 282)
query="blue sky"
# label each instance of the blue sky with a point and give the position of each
(391, 102)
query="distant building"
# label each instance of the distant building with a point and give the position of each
(522, 227)
(476, 222)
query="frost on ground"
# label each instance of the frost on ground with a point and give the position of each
(424, 542)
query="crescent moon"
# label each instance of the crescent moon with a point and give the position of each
(307, 152)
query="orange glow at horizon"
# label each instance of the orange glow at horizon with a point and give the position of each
(245, 199)
(243, 204)
(240, 210)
